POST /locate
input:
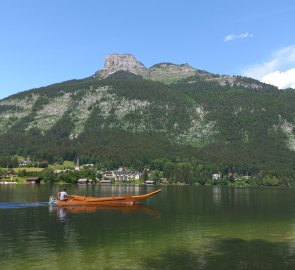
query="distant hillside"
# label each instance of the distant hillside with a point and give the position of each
(128, 114)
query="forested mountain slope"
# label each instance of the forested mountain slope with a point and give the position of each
(131, 116)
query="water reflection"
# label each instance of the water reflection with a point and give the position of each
(63, 211)
(226, 254)
(216, 192)
(61, 214)
(233, 196)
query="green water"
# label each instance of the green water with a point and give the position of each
(181, 228)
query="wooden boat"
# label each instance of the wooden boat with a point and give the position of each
(110, 201)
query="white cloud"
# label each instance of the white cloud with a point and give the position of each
(278, 71)
(232, 37)
(281, 79)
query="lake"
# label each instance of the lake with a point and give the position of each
(183, 227)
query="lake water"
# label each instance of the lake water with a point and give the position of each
(182, 227)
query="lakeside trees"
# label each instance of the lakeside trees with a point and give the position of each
(173, 172)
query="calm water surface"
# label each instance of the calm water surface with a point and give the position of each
(181, 228)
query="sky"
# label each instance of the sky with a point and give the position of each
(48, 41)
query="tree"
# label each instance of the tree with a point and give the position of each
(48, 175)
(145, 175)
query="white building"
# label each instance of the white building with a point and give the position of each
(216, 176)
(122, 175)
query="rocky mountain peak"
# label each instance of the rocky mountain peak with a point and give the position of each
(164, 72)
(126, 65)
(119, 62)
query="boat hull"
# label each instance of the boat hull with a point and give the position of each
(109, 201)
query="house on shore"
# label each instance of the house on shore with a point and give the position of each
(105, 182)
(150, 182)
(84, 181)
(33, 180)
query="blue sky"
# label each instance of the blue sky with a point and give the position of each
(49, 41)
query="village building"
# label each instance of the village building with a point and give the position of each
(88, 165)
(105, 182)
(61, 171)
(122, 175)
(150, 182)
(33, 180)
(24, 163)
(216, 176)
(84, 181)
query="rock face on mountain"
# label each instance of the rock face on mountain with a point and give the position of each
(163, 72)
(122, 62)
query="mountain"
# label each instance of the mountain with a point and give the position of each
(170, 73)
(129, 114)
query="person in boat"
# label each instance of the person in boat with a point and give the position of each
(63, 195)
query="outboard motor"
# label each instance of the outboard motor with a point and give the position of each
(52, 200)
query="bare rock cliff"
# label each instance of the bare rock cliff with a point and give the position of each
(164, 72)
(125, 62)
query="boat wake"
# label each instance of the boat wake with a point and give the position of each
(13, 205)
